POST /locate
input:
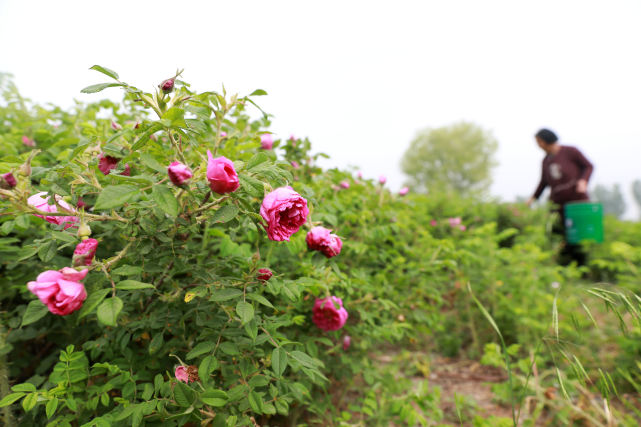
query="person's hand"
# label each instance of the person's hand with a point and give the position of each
(529, 201)
(582, 186)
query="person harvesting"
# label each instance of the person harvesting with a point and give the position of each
(567, 172)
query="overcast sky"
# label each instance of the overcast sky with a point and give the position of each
(361, 78)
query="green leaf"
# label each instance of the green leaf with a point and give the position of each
(257, 159)
(106, 71)
(115, 195)
(92, 302)
(156, 342)
(226, 294)
(127, 270)
(151, 162)
(133, 284)
(47, 251)
(99, 87)
(64, 237)
(183, 395)
(303, 359)
(279, 361)
(109, 310)
(7, 227)
(29, 401)
(260, 299)
(201, 348)
(23, 221)
(255, 402)
(165, 200)
(245, 311)
(258, 92)
(35, 311)
(51, 407)
(207, 366)
(225, 214)
(215, 398)
(10, 398)
(174, 117)
(26, 387)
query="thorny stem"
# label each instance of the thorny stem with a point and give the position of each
(176, 146)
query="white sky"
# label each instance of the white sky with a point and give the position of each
(360, 78)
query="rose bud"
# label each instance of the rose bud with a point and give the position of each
(115, 126)
(221, 174)
(345, 184)
(359, 174)
(454, 221)
(40, 202)
(266, 141)
(167, 86)
(347, 341)
(295, 164)
(223, 134)
(382, 179)
(264, 274)
(81, 203)
(107, 163)
(433, 223)
(321, 239)
(8, 181)
(329, 314)
(462, 227)
(403, 191)
(178, 173)
(28, 141)
(285, 211)
(84, 252)
(61, 291)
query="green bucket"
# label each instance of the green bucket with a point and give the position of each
(583, 221)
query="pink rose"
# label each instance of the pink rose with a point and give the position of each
(178, 173)
(403, 191)
(359, 174)
(266, 141)
(295, 164)
(107, 163)
(326, 316)
(293, 140)
(40, 202)
(8, 181)
(264, 274)
(347, 341)
(321, 239)
(28, 141)
(285, 211)
(345, 184)
(187, 374)
(433, 223)
(382, 179)
(61, 291)
(223, 134)
(115, 126)
(462, 227)
(84, 252)
(454, 221)
(167, 86)
(221, 174)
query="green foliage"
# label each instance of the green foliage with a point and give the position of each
(453, 159)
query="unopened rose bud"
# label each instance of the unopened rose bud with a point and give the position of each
(382, 179)
(7, 181)
(84, 231)
(345, 184)
(25, 169)
(167, 86)
(115, 126)
(347, 341)
(84, 252)
(179, 174)
(28, 141)
(264, 274)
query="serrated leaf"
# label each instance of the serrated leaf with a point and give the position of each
(35, 311)
(165, 200)
(106, 71)
(113, 196)
(99, 87)
(133, 284)
(279, 361)
(255, 402)
(226, 294)
(207, 366)
(215, 398)
(183, 395)
(156, 342)
(92, 302)
(260, 299)
(303, 359)
(109, 310)
(225, 213)
(47, 251)
(256, 160)
(201, 348)
(245, 311)
(127, 270)
(151, 162)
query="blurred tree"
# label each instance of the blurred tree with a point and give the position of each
(636, 192)
(610, 198)
(458, 158)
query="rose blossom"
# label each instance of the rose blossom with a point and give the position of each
(359, 174)
(28, 141)
(223, 134)
(326, 316)
(61, 291)
(433, 223)
(347, 341)
(115, 126)
(321, 239)
(295, 164)
(221, 174)
(8, 181)
(178, 173)
(454, 221)
(107, 163)
(40, 202)
(285, 211)
(187, 374)
(462, 227)
(403, 191)
(382, 179)
(84, 252)
(266, 141)
(345, 184)
(264, 274)
(167, 85)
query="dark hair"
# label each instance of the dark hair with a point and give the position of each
(547, 136)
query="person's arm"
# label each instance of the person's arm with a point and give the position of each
(586, 171)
